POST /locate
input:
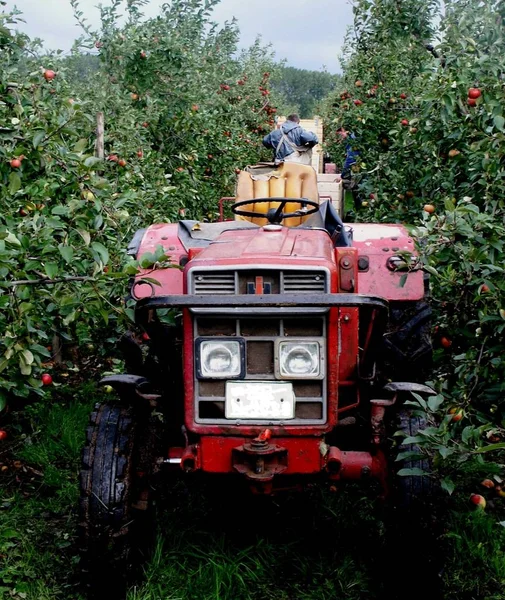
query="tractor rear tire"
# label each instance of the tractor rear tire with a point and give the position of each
(413, 490)
(114, 532)
(407, 347)
(412, 524)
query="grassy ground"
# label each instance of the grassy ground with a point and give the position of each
(216, 544)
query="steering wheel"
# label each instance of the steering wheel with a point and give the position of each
(276, 215)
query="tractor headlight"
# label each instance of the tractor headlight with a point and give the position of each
(219, 359)
(300, 360)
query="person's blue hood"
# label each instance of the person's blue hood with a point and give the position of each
(287, 126)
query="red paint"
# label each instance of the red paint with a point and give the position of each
(379, 242)
(259, 285)
(304, 454)
(170, 280)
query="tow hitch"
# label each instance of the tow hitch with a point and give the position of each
(259, 460)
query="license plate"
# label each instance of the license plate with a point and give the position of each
(259, 400)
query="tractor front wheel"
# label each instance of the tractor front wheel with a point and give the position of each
(407, 348)
(115, 510)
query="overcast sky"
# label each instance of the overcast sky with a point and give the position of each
(308, 33)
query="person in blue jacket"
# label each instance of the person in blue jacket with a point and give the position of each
(351, 155)
(291, 143)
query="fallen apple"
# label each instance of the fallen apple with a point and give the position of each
(478, 500)
(488, 483)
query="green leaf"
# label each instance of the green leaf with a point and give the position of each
(12, 239)
(91, 161)
(102, 252)
(67, 252)
(81, 145)
(435, 402)
(445, 452)
(403, 280)
(60, 210)
(86, 236)
(3, 401)
(412, 439)
(491, 448)
(28, 356)
(448, 485)
(51, 270)
(25, 368)
(14, 182)
(499, 122)
(414, 472)
(38, 136)
(409, 454)
(431, 270)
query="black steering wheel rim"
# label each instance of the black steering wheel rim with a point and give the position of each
(277, 216)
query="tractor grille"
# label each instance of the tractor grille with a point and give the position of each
(302, 282)
(244, 281)
(259, 335)
(222, 283)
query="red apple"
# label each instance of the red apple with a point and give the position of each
(403, 96)
(15, 163)
(474, 93)
(472, 102)
(445, 342)
(488, 483)
(358, 102)
(478, 500)
(405, 122)
(457, 414)
(3, 435)
(46, 379)
(48, 74)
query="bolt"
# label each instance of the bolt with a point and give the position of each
(365, 471)
(363, 263)
(346, 263)
(347, 318)
(385, 249)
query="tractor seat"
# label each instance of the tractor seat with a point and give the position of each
(288, 180)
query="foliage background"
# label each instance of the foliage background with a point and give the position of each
(183, 111)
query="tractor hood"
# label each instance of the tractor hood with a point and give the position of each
(269, 243)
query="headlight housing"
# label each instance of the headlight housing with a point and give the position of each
(300, 360)
(220, 359)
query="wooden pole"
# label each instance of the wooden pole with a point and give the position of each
(100, 127)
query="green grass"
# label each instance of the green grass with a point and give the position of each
(217, 543)
(236, 547)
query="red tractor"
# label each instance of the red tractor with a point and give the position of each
(271, 352)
